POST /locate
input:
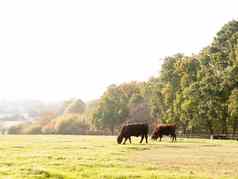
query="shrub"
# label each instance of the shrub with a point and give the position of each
(33, 128)
(71, 124)
(15, 129)
(49, 128)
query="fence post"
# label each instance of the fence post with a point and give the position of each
(211, 137)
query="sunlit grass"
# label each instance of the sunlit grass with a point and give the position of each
(68, 157)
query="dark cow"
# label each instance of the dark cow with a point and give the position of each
(166, 129)
(133, 130)
(220, 136)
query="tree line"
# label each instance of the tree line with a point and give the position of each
(199, 93)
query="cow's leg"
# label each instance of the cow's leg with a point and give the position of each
(160, 137)
(174, 137)
(125, 140)
(146, 138)
(142, 137)
(130, 139)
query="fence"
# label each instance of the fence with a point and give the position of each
(208, 136)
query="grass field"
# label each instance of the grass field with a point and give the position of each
(68, 157)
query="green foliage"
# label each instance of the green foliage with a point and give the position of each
(152, 93)
(112, 108)
(196, 90)
(121, 104)
(233, 110)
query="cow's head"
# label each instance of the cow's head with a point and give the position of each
(119, 139)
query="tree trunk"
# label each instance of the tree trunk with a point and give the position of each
(112, 129)
(234, 127)
(185, 126)
(210, 127)
(184, 130)
(224, 126)
(234, 131)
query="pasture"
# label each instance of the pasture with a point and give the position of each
(73, 157)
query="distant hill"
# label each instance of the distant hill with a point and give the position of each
(22, 110)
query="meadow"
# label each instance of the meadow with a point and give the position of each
(72, 157)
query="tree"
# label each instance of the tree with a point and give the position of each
(111, 109)
(75, 106)
(151, 91)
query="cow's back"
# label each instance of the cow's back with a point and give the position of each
(135, 130)
(167, 129)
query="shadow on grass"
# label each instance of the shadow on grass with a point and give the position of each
(138, 148)
(41, 174)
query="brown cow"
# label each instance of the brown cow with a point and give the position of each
(133, 130)
(166, 129)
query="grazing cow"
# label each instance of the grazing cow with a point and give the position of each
(166, 129)
(220, 136)
(224, 137)
(133, 130)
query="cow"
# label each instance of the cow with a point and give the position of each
(137, 130)
(166, 129)
(220, 136)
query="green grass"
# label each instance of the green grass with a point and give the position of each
(68, 157)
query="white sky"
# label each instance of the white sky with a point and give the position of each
(54, 50)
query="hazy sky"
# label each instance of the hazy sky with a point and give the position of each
(54, 50)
